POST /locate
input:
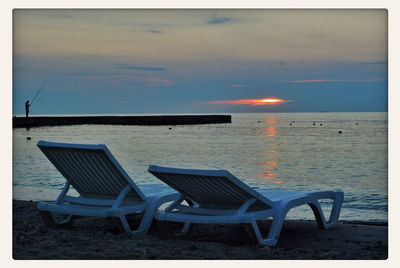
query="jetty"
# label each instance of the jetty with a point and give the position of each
(148, 120)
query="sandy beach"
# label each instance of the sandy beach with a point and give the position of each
(99, 238)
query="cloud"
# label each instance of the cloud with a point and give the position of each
(317, 35)
(375, 62)
(141, 68)
(251, 102)
(155, 31)
(239, 85)
(60, 16)
(221, 20)
(121, 78)
(86, 74)
(316, 81)
(163, 81)
(338, 80)
(368, 80)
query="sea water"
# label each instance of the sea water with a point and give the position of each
(297, 151)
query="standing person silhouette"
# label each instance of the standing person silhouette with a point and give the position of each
(27, 105)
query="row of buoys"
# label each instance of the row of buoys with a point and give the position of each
(340, 132)
(291, 123)
(29, 138)
(315, 123)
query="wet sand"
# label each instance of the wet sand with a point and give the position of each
(99, 238)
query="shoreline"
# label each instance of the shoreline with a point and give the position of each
(98, 238)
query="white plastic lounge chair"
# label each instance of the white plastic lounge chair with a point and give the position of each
(219, 197)
(105, 189)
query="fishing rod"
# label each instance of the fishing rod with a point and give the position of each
(37, 93)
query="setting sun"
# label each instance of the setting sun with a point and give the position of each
(252, 102)
(271, 100)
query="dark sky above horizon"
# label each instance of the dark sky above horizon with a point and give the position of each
(199, 61)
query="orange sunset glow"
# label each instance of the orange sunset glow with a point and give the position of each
(252, 102)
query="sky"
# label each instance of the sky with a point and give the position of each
(131, 61)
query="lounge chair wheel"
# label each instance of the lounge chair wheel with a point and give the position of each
(57, 220)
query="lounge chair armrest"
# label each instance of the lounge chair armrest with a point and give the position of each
(175, 204)
(63, 192)
(245, 206)
(121, 196)
(209, 211)
(205, 211)
(94, 201)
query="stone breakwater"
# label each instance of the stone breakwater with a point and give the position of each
(153, 120)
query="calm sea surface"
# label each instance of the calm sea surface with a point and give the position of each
(271, 150)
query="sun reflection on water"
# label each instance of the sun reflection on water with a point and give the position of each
(270, 131)
(271, 164)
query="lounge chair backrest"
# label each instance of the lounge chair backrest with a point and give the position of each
(91, 169)
(209, 188)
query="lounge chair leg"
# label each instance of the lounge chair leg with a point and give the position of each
(125, 224)
(257, 232)
(337, 205)
(152, 206)
(185, 228)
(49, 221)
(67, 219)
(273, 233)
(334, 215)
(318, 214)
(276, 226)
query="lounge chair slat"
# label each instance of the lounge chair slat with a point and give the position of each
(61, 162)
(185, 186)
(82, 185)
(216, 192)
(107, 180)
(92, 173)
(109, 171)
(104, 178)
(52, 157)
(231, 192)
(207, 191)
(84, 181)
(91, 187)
